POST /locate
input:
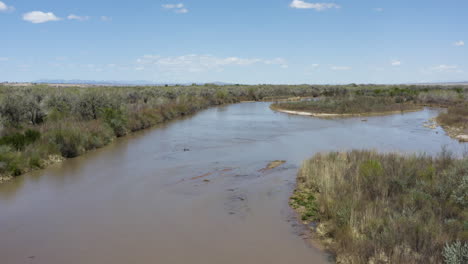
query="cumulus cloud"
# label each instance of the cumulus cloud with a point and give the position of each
(340, 68)
(37, 17)
(178, 8)
(395, 63)
(201, 63)
(5, 8)
(459, 43)
(317, 6)
(79, 18)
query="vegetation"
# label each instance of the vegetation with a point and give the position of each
(455, 121)
(387, 208)
(349, 105)
(40, 124)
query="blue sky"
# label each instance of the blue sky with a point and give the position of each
(237, 41)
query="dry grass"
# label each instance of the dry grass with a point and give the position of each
(456, 116)
(385, 208)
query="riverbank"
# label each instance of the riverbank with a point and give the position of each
(45, 125)
(455, 121)
(370, 208)
(325, 115)
(347, 106)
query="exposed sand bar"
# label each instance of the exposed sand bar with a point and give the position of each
(305, 113)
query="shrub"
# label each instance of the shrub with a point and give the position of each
(456, 253)
(90, 104)
(385, 207)
(440, 97)
(115, 118)
(68, 141)
(456, 116)
(20, 140)
(13, 110)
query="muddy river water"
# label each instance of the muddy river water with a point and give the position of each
(191, 191)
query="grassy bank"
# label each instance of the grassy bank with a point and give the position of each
(387, 208)
(455, 121)
(350, 105)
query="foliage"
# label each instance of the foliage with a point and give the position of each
(456, 116)
(19, 140)
(456, 253)
(386, 207)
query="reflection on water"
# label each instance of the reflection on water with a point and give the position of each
(191, 190)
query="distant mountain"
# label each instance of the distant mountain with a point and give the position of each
(118, 83)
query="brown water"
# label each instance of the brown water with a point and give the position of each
(146, 200)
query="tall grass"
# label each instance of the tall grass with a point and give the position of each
(386, 208)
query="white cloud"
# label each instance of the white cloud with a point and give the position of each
(5, 8)
(446, 68)
(317, 6)
(378, 9)
(340, 68)
(315, 65)
(395, 63)
(37, 17)
(459, 43)
(4, 59)
(178, 8)
(79, 18)
(201, 63)
(106, 18)
(171, 6)
(182, 11)
(277, 61)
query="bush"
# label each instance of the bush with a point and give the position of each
(385, 207)
(68, 141)
(440, 97)
(19, 141)
(456, 253)
(115, 118)
(456, 116)
(12, 110)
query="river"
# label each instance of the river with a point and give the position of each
(191, 191)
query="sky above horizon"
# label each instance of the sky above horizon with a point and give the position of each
(241, 41)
